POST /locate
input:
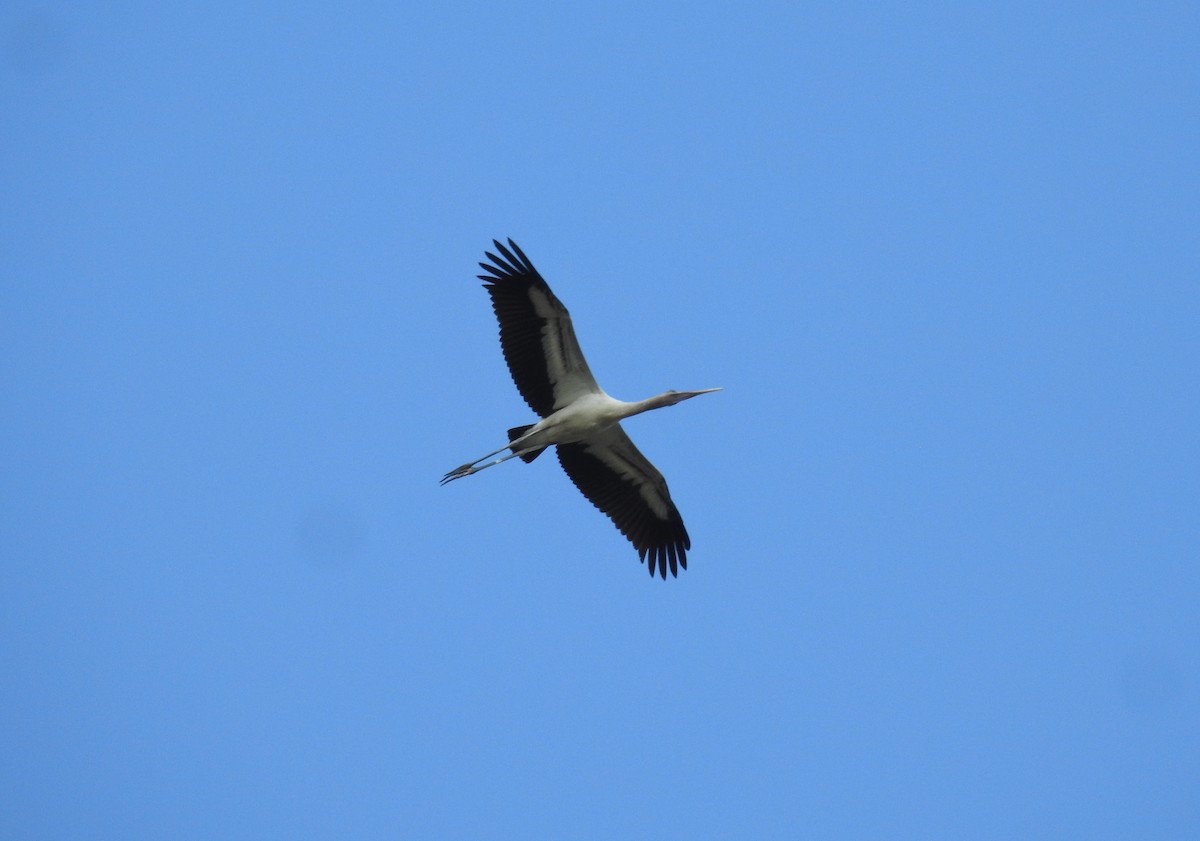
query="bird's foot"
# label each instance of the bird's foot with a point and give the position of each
(458, 473)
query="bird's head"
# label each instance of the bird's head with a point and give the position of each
(670, 398)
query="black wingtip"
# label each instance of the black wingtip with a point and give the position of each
(515, 256)
(658, 558)
(512, 260)
(517, 250)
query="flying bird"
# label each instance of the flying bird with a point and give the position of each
(584, 423)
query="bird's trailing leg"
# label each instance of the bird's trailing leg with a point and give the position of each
(515, 435)
(474, 466)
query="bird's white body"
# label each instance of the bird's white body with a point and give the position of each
(589, 414)
(592, 413)
(577, 417)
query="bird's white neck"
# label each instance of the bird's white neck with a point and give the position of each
(667, 398)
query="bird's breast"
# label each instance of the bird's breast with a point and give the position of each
(585, 416)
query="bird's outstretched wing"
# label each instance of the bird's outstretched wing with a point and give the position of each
(536, 335)
(621, 482)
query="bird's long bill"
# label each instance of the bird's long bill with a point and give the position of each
(687, 394)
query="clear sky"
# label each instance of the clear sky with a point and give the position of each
(944, 258)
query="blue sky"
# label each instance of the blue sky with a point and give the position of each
(942, 257)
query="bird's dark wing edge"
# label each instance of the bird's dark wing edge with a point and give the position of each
(613, 479)
(521, 328)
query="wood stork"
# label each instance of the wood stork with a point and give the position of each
(576, 415)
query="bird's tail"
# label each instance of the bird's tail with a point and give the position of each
(515, 433)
